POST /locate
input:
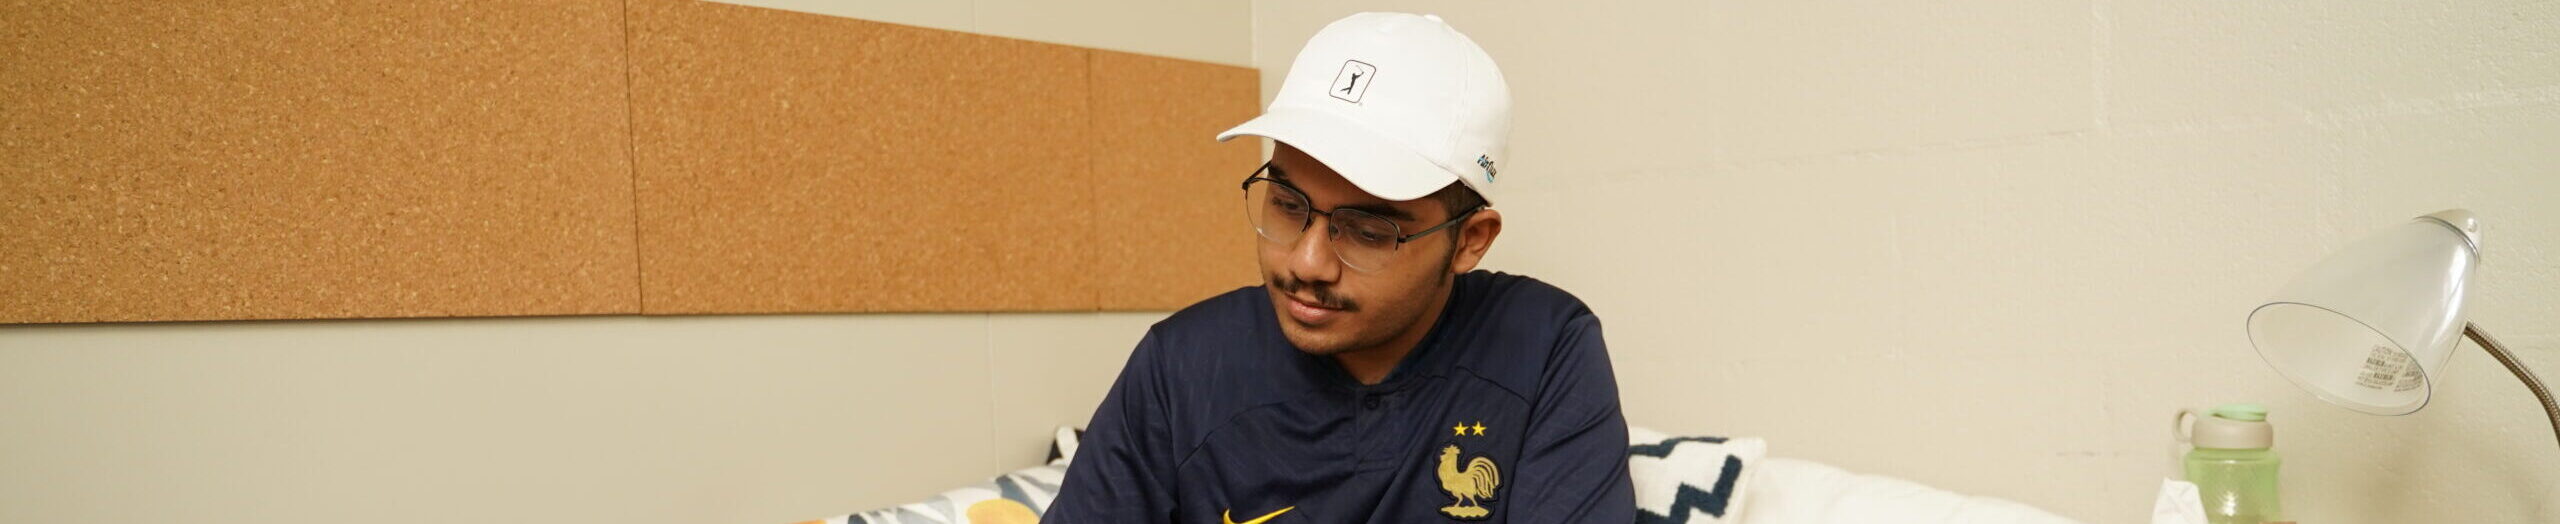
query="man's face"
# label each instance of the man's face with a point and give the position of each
(1327, 308)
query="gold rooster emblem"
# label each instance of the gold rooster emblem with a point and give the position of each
(1470, 486)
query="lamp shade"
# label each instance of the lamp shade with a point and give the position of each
(2370, 327)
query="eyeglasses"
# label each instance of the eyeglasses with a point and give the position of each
(1363, 240)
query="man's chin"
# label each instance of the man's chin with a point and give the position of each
(1312, 341)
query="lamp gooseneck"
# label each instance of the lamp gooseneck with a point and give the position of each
(2549, 407)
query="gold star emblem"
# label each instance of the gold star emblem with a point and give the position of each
(1459, 430)
(1479, 427)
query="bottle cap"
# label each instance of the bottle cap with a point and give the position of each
(2235, 426)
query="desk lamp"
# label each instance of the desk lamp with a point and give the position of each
(2369, 328)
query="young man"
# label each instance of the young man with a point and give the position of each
(1375, 376)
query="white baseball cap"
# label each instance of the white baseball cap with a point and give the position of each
(1400, 104)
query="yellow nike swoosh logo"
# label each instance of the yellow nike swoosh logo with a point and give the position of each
(1232, 520)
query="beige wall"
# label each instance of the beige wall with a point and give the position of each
(1993, 246)
(1986, 247)
(586, 419)
(675, 420)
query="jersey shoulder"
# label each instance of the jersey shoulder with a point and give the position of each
(1517, 330)
(1222, 320)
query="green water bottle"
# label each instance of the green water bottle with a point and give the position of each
(2234, 464)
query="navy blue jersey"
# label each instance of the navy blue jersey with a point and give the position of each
(1507, 411)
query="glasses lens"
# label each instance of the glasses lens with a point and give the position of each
(1278, 213)
(1365, 241)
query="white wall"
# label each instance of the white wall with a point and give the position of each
(1994, 246)
(675, 420)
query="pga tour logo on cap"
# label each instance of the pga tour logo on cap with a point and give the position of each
(1353, 81)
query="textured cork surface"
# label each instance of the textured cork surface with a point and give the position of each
(199, 160)
(792, 162)
(184, 162)
(1169, 227)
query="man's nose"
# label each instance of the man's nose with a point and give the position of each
(1313, 259)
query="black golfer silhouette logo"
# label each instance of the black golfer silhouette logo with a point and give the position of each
(1353, 81)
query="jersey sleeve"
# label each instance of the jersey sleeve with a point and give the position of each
(1122, 468)
(1573, 465)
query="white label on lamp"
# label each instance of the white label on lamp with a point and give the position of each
(2389, 369)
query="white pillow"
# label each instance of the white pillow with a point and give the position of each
(1790, 491)
(1691, 480)
(1062, 446)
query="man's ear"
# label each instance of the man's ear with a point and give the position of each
(1474, 239)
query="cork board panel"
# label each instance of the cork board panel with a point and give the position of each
(1176, 232)
(791, 162)
(258, 160)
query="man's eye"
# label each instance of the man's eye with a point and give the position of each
(1371, 235)
(1293, 208)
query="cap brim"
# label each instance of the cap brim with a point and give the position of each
(1377, 164)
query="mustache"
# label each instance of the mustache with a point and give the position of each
(1322, 293)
